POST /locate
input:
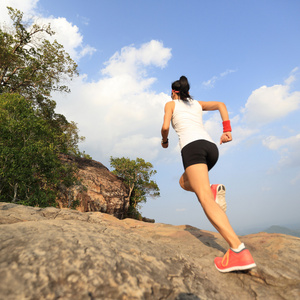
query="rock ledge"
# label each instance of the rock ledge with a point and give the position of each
(65, 254)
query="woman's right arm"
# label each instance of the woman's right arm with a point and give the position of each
(169, 108)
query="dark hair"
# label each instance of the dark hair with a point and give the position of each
(182, 86)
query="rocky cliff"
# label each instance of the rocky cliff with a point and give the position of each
(99, 189)
(55, 253)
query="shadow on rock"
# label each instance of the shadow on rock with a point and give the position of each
(206, 238)
(187, 296)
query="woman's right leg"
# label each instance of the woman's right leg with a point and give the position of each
(237, 257)
(195, 179)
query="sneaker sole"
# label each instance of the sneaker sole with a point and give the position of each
(220, 198)
(236, 268)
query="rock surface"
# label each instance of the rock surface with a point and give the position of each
(65, 254)
(103, 191)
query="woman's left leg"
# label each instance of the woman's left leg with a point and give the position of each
(184, 183)
(218, 191)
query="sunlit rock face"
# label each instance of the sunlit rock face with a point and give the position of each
(100, 190)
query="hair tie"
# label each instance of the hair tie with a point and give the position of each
(175, 91)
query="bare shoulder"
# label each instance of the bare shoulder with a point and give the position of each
(170, 105)
(203, 104)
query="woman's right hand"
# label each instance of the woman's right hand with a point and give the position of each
(226, 137)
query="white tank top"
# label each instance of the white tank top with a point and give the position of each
(187, 122)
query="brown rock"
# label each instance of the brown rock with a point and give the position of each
(65, 254)
(100, 190)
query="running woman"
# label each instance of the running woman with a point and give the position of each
(199, 154)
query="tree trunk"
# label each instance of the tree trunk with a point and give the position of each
(15, 193)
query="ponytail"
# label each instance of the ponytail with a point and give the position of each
(182, 86)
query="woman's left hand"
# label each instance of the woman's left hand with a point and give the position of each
(226, 137)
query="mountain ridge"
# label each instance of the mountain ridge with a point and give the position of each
(282, 230)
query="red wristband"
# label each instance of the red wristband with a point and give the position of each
(226, 126)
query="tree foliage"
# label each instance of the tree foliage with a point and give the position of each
(29, 63)
(32, 134)
(33, 67)
(137, 176)
(31, 172)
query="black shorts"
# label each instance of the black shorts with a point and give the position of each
(200, 151)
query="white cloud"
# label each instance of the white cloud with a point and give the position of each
(211, 82)
(239, 132)
(275, 143)
(269, 104)
(86, 50)
(295, 180)
(265, 105)
(288, 149)
(135, 145)
(83, 20)
(119, 115)
(227, 72)
(132, 61)
(25, 6)
(66, 33)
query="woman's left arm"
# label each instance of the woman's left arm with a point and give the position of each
(221, 107)
(215, 105)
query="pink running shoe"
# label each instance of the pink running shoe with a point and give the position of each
(235, 261)
(219, 195)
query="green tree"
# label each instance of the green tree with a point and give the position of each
(29, 64)
(137, 176)
(31, 172)
(32, 135)
(33, 67)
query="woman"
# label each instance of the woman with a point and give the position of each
(199, 154)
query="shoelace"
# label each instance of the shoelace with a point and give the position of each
(225, 258)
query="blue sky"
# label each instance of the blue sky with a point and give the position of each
(243, 53)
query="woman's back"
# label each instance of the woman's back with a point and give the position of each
(187, 122)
